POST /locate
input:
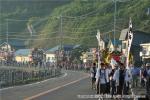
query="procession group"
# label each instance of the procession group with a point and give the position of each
(117, 79)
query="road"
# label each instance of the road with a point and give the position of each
(66, 87)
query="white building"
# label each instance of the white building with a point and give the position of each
(145, 54)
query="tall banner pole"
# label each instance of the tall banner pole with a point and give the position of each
(99, 40)
(99, 47)
(130, 38)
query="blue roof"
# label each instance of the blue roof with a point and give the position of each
(22, 52)
(117, 42)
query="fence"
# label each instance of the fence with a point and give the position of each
(13, 76)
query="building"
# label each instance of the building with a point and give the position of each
(87, 57)
(145, 53)
(6, 47)
(23, 55)
(6, 52)
(50, 56)
(114, 44)
(138, 38)
(59, 53)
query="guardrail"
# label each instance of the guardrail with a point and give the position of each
(10, 76)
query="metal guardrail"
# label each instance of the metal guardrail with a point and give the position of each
(10, 76)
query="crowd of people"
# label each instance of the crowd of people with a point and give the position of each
(119, 80)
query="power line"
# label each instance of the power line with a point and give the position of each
(57, 37)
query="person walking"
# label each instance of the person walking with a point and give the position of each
(93, 74)
(148, 81)
(128, 80)
(143, 74)
(101, 79)
(108, 71)
(135, 76)
(119, 77)
(112, 81)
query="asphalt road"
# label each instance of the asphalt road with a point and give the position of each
(67, 87)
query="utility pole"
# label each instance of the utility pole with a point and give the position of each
(7, 33)
(7, 30)
(61, 32)
(61, 39)
(115, 21)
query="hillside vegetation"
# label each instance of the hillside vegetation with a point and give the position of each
(76, 21)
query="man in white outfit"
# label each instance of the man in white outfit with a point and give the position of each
(122, 78)
(101, 79)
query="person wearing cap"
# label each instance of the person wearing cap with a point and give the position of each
(101, 79)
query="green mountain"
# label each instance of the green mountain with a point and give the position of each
(71, 22)
(15, 15)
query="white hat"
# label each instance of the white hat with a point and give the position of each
(148, 64)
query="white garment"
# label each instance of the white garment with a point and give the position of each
(108, 71)
(128, 76)
(101, 76)
(116, 77)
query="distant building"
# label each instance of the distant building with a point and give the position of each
(23, 55)
(145, 54)
(6, 47)
(58, 52)
(50, 56)
(114, 44)
(16, 44)
(87, 57)
(138, 38)
(6, 52)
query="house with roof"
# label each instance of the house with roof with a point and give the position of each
(6, 52)
(55, 53)
(114, 44)
(138, 38)
(23, 55)
(6, 47)
(16, 44)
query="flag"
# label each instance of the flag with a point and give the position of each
(98, 39)
(129, 39)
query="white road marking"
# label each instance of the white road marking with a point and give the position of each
(56, 88)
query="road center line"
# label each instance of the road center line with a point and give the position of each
(56, 88)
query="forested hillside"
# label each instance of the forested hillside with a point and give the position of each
(74, 21)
